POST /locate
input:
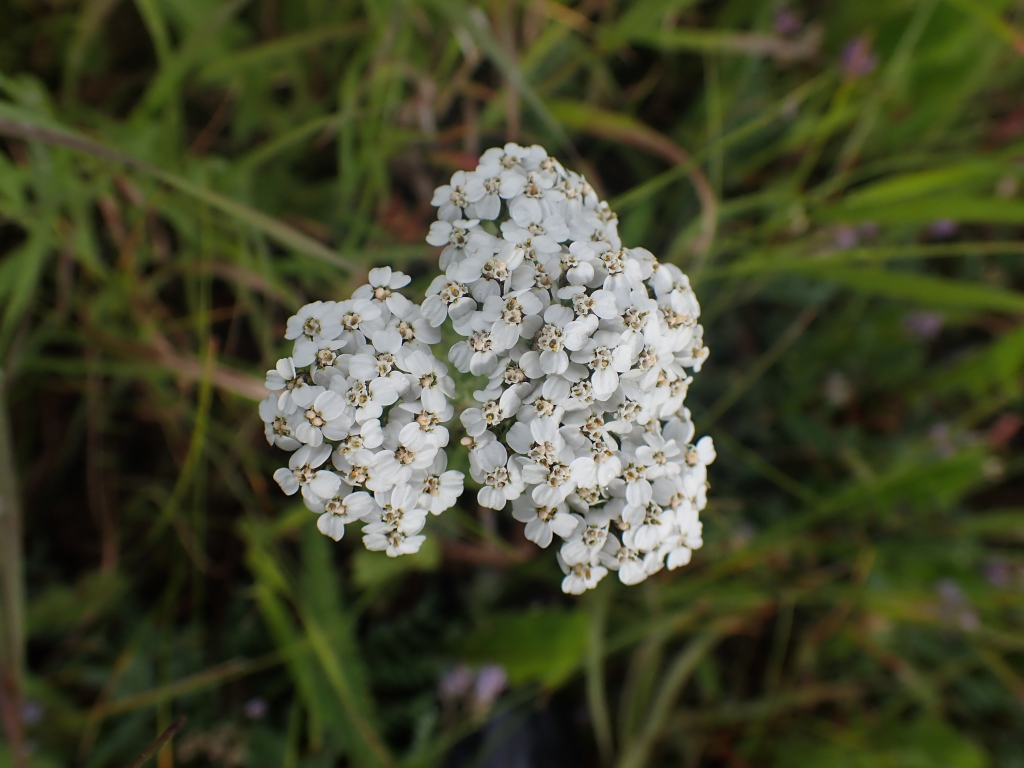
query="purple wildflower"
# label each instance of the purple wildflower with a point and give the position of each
(455, 683)
(846, 238)
(943, 229)
(924, 325)
(490, 682)
(255, 709)
(786, 23)
(858, 59)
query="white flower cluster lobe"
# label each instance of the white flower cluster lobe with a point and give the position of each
(588, 348)
(361, 404)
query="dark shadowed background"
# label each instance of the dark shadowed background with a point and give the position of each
(842, 182)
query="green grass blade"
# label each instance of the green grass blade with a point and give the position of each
(922, 289)
(921, 211)
(260, 55)
(19, 124)
(672, 682)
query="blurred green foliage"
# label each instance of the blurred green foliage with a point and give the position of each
(842, 181)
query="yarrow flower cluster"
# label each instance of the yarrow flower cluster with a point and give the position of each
(361, 405)
(588, 349)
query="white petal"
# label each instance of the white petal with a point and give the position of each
(325, 484)
(331, 525)
(491, 498)
(287, 481)
(538, 532)
(564, 524)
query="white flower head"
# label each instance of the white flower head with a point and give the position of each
(345, 507)
(275, 423)
(395, 527)
(440, 488)
(452, 199)
(302, 468)
(585, 348)
(543, 522)
(579, 577)
(446, 298)
(382, 291)
(500, 476)
(319, 320)
(284, 378)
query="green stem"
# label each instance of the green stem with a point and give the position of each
(673, 681)
(12, 590)
(597, 697)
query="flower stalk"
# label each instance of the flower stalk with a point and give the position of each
(12, 590)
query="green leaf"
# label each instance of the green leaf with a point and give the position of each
(999, 364)
(36, 759)
(906, 186)
(268, 53)
(1003, 524)
(616, 126)
(991, 19)
(60, 607)
(320, 595)
(334, 665)
(545, 646)
(920, 288)
(925, 210)
(782, 259)
(20, 274)
(639, 18)
(925, 743)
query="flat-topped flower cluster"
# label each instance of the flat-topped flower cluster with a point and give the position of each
(587, 349)
(362, 403)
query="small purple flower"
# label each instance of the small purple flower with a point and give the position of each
(950, 593)
(31, 712)
(455, 683)
(955, 608)
(255, 709)
(846, 238)
(997, 573)
(858, 59)
(943, 229)
(490, 682)
(968, 621)
(924, 325)
(867, 230)
(942, 438)
(786, 23)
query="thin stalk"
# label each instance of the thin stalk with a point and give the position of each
(673, 680)
(759, 368)
(12, 590)
(162, 739)
(597, 696)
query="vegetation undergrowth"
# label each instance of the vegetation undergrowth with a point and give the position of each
(842, 183)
